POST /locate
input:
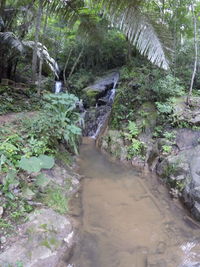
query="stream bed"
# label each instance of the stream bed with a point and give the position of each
(129, 220)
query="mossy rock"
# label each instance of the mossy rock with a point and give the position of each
(90, 96)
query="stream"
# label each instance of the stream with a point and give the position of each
(128, 219)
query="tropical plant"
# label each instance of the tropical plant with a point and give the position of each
(58, 121)
(166, 87)
(129, 17)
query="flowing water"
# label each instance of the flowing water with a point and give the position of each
(128, 219)
(58, 87)
(96, 123)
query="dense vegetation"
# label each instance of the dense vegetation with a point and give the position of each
(152, 43)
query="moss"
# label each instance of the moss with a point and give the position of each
(91, 96)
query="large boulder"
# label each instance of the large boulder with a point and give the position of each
(113, 143)
(182, 172)
(99, 88)
(186, 114)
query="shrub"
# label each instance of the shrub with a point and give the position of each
(167, 87)
(137, 148)
(58, 121)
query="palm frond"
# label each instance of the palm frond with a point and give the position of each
(139, 28)
(42, 53)
(126, 15)
(143, 35)
(9, 39)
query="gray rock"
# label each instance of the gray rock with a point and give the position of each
(184, 113)
(187, 138)
(104, 83)
(196, 210)
(99, 89)
(45, 239)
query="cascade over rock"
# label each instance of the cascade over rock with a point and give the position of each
(99, 97)
(99, 89)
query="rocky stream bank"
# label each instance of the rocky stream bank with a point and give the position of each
(174, 157)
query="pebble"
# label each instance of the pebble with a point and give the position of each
(3, 240)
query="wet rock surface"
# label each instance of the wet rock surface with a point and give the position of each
(94, 118)
(182, 171)
(98, 91)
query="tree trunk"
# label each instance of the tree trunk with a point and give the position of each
(65, 67)
(75, 64)
(41, 60)
(2, 6)
(196, 54)
(37, 32)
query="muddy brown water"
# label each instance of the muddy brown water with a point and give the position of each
(129, 220)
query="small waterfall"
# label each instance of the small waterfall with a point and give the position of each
(98, 116)
(112, 96)
(113, 91)
(58, 87)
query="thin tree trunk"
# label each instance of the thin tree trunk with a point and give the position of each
(41, 59)
(163, 10)
(2, 63)
(129, 52)
(75, 64)
(37, 32)
(2, 6)
(65, 67)
(196, 54)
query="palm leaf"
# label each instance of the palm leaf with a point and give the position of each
(9, 39)
(42, 53)
(126, 15)
(139, 28)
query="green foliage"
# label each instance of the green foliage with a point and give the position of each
(167, 87)
(169, 135)
(28, 146)
(133, 129)
(137, 148)
(55, 197)
(166, 149)
(158, 131)
(79, 80)
(58, 121)
(14, 101)
(35, 164)
(164, 108)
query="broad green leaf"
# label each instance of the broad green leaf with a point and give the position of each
(30, 165)
(46, 162)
